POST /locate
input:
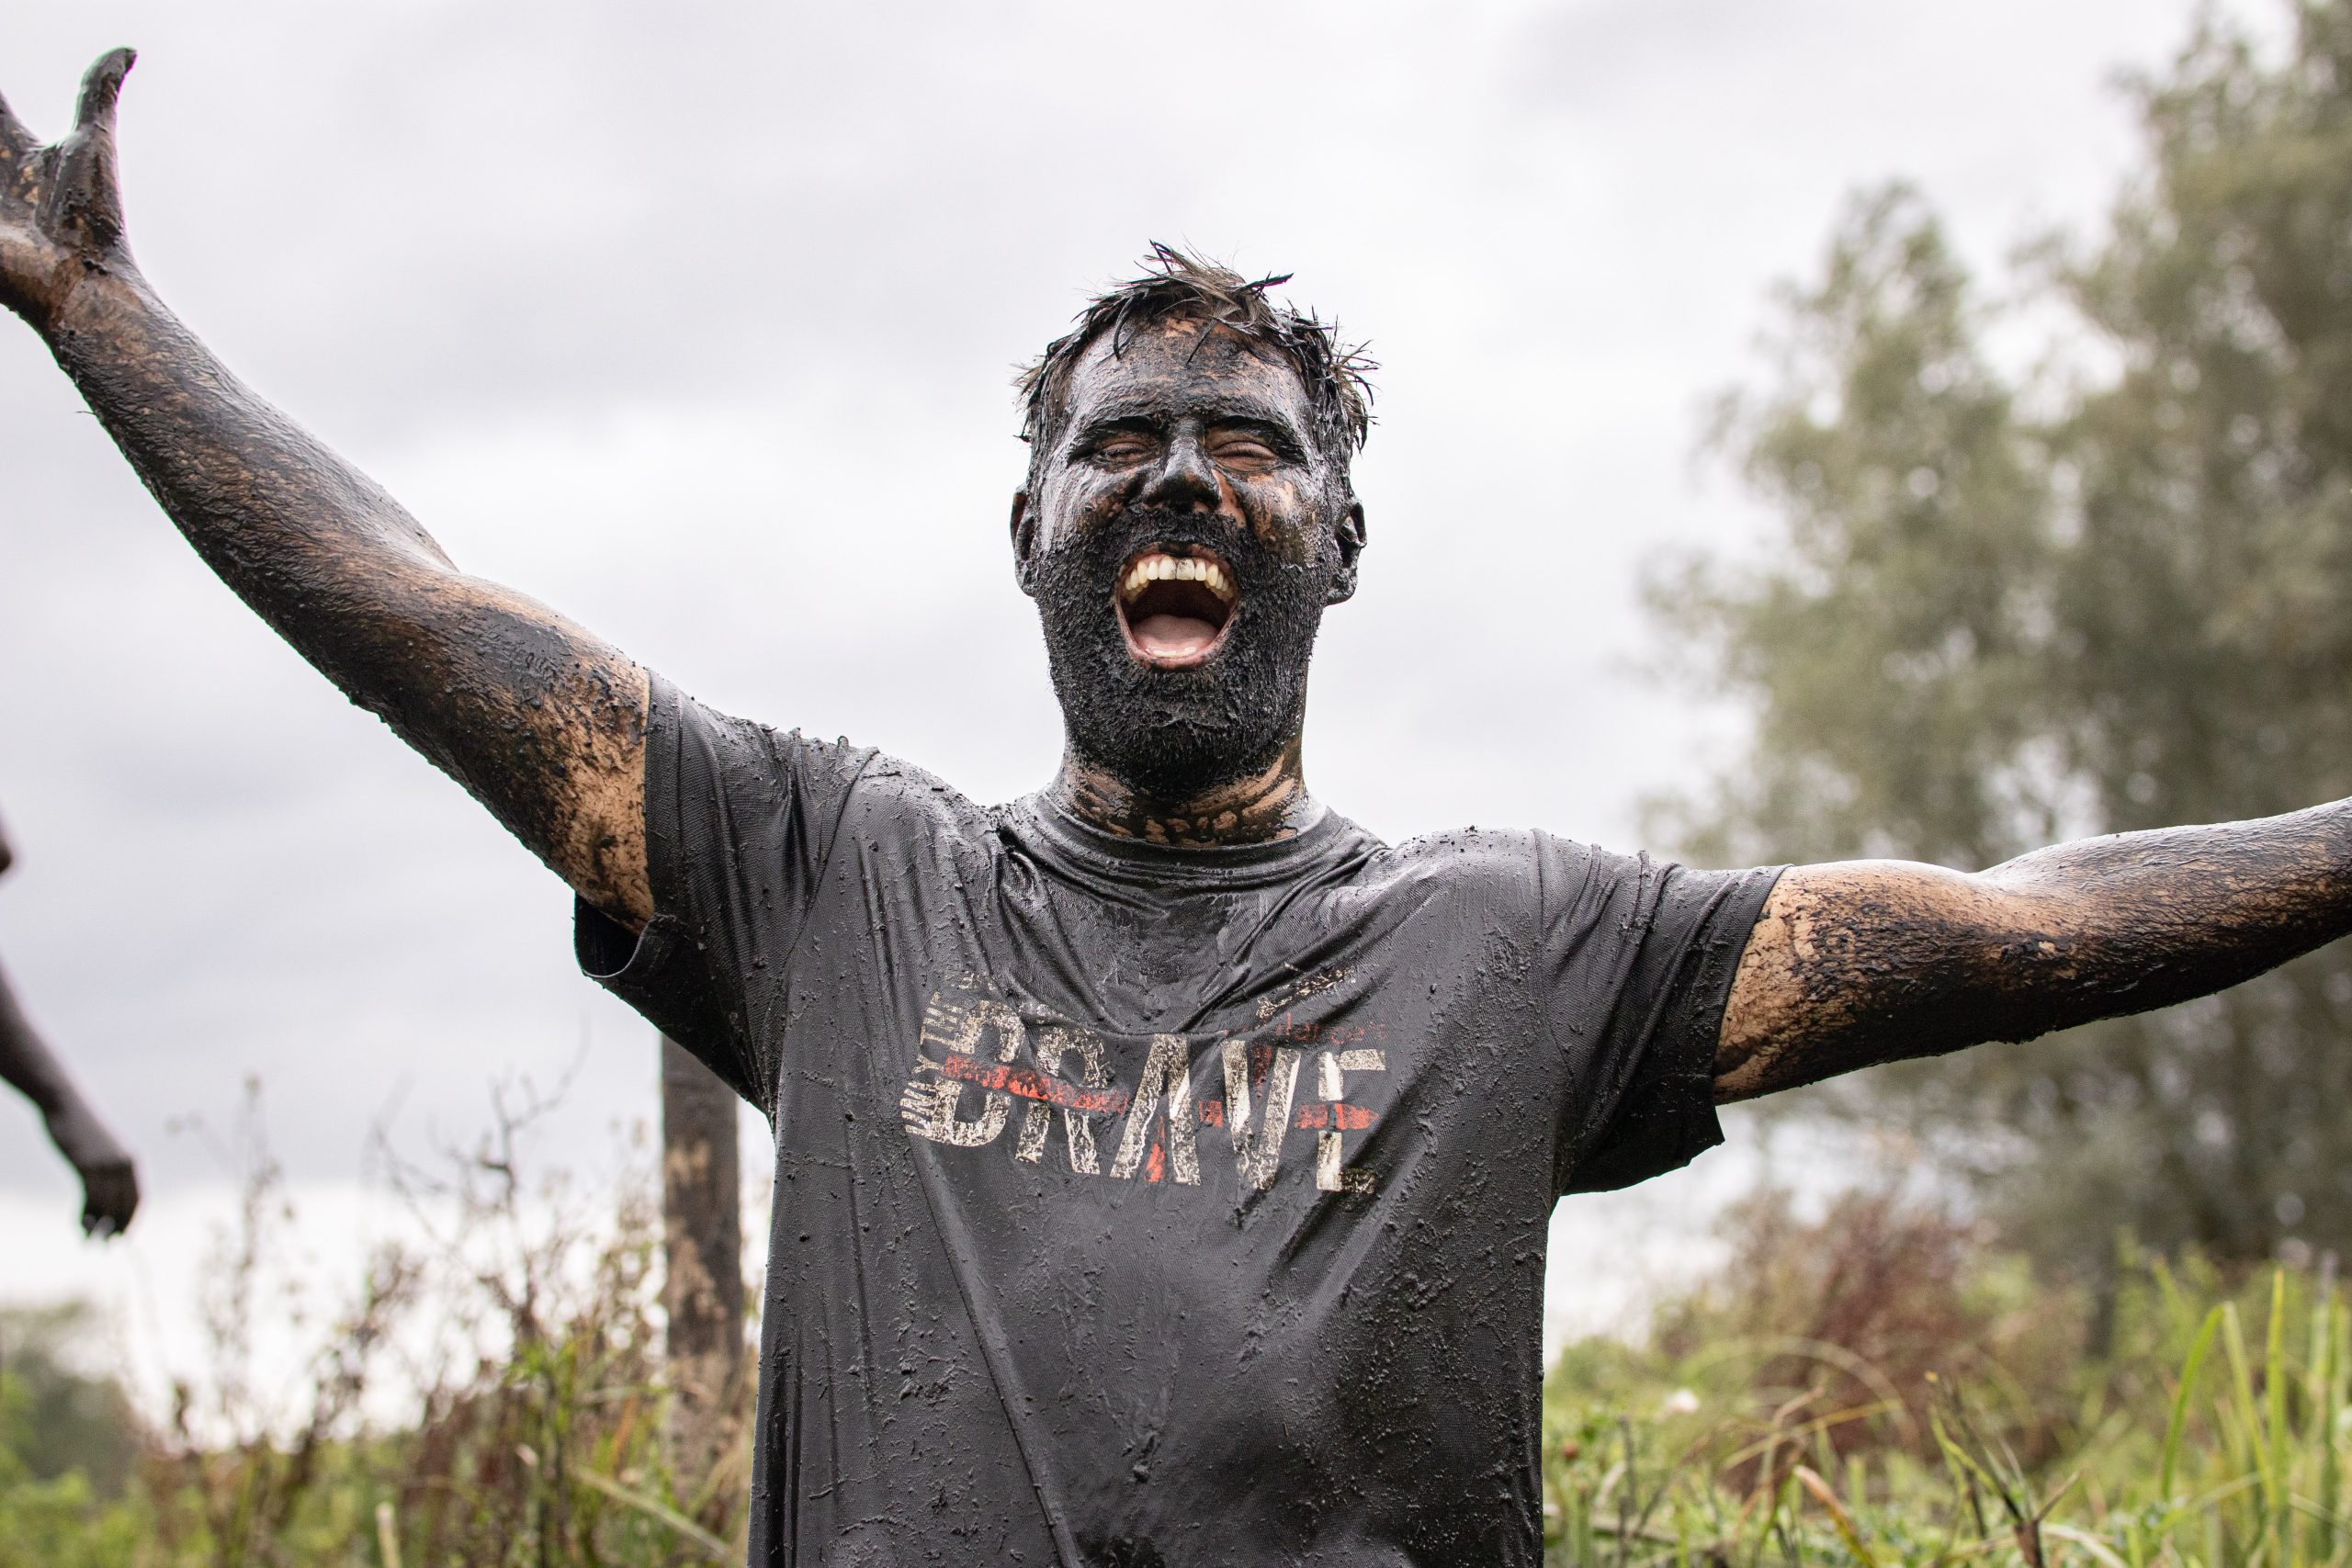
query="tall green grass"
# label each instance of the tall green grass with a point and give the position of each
(2209, 1429)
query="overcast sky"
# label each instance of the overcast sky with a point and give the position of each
(698, 321)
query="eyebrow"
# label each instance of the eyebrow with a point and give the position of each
(1128, 412)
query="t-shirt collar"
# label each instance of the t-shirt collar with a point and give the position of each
(1061, 836)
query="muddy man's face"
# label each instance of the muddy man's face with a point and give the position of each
(1184, 539)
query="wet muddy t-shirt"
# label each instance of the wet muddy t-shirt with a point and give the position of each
(1138, 1205)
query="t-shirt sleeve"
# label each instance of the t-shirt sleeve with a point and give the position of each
(1635, 963)
(738, 821)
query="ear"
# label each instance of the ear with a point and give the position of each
(1024, 542)
(1347, 537)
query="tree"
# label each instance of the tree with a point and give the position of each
(2110, 592)
(702, 1282)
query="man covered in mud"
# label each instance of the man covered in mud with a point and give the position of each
(109, 1183)
(1162, 1161)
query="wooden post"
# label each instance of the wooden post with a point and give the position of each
(702, 1287)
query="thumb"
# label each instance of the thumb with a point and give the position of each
(101, 86)
(83, 205)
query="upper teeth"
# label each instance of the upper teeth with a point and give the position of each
(1159, 567)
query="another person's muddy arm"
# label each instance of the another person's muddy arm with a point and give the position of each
(110, 1186)
(1874, 961)
(540, 721)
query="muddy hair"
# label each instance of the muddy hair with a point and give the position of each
(1178, 287)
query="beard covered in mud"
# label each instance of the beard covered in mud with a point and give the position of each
(1176, 731)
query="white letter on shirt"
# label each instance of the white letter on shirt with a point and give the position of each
(1259, 1153)
(1328, 1176)
(931, 1109)
(1168, 1071)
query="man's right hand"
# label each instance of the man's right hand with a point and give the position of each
(61, 211)
(539, 720)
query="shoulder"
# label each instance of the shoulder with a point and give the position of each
(1521, 860)
(745, 751)
(762, 782)
(688, 725)
(890, 787)
(1564, 884)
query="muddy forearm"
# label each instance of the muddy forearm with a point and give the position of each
(277, 513)
(109, 1180)
(27, 1063)
(1872, 961)
(540, 721)
(2140, 921)
(29, 1066)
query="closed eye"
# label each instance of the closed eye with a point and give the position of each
(1243, 454)
(1118, 449)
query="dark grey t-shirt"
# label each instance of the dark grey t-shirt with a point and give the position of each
(1148, 1206)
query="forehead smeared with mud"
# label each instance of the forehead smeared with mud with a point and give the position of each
(1180, 365)
(1178, 287)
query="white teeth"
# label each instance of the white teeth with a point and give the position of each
(1165, 569)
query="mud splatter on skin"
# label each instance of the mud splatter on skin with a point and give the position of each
(1186, 434)
(1271, 803)
(540, 721)
(1877, 961)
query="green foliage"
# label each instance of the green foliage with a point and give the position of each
(61, 1524)
(56, 1416)
(68, 1443)
(2213, 1433)
(2104, 594)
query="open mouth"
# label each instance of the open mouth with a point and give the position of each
(1174, 608)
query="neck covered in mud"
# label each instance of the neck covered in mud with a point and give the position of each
(1268, 804)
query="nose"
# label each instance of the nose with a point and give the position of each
(1185, 480)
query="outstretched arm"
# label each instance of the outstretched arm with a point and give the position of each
(1873, 961)
(110, 1186)
(540, 721)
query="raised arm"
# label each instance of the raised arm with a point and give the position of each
(541, 722)
(1873, 961)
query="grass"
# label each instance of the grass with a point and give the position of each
(2209, 1429)
(1884, 1386)
(524, 1355)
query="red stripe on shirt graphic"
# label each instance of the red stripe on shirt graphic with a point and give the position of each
(978, 1057)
